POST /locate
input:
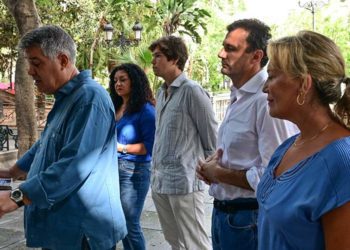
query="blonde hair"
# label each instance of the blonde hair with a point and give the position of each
(311, 53)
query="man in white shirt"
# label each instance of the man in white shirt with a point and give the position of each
(246, 140)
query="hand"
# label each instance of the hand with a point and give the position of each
(13, 172)
(200, 175)
(207, 170)
(200, 171)
(6, 204)
(5, 173)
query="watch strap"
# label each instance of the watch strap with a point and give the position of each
(19, 203)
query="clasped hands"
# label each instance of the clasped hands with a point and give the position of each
(208, 169)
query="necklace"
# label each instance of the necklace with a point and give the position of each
(295, 144)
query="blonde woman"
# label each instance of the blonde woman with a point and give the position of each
(305, 192)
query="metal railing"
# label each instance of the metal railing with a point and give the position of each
(8, 138)
(8, 114)
(220, 103)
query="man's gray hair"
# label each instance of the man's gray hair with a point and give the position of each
(52, 40)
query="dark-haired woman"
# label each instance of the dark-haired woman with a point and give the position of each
(135, 120)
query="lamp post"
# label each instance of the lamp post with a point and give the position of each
(312, 6)
(122, 41)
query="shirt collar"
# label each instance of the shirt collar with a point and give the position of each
(177, 82)
(253, 85)
(73, 84)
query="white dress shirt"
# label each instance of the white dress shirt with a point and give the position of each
(248, 136)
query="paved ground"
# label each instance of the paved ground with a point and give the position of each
(11, 228)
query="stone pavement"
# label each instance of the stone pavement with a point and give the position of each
(12, 237)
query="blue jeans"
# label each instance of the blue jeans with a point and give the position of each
(234, 231)
(134, 178)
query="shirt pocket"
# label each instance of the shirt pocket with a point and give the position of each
(51, 146)
(174, 134)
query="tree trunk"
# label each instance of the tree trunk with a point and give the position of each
(26, 16)
(102, 23)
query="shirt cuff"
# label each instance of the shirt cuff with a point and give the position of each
(35, 192)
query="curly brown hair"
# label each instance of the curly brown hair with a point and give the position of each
(141, 92)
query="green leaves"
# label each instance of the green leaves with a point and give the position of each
(8, 42)
(179, 16)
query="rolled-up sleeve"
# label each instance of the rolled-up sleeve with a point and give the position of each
(26, 160)
(271, 133)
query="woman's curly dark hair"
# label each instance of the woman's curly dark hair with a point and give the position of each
(141, 92)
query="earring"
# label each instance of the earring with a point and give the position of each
(301, 95)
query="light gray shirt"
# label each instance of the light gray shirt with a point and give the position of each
(186, 130)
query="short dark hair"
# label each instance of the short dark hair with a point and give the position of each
(259, 35)
(174, 48)
(140, 88)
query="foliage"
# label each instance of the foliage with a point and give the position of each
(180, 16)
(81, 20)
(203, 21)
(164, 18)
(335, 27)
(206, 64)
(339, 32)
(8, 42)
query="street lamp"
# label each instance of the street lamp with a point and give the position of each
(108, 29)
(122, 41)
(312, 6)
(137, 28)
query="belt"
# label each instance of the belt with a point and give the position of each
(230, 206)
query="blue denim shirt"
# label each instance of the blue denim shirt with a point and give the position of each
(72, 172)
(136, 128)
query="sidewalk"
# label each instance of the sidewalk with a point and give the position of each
(12, 236)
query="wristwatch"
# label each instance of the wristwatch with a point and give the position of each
(124, 151)
(17, 196)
